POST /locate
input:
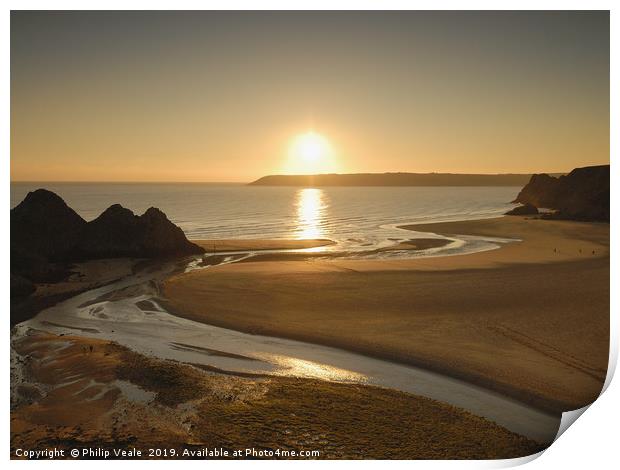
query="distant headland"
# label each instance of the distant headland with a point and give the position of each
(396, 179)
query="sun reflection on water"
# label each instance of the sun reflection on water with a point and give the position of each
(291, 366)
(311, 208)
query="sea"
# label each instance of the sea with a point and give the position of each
(356, 218)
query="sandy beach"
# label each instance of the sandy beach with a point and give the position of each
(530, 319)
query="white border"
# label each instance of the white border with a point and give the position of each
(592, 442)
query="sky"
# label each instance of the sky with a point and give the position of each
(233, 96)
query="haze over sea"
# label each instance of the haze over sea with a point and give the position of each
(355, 217)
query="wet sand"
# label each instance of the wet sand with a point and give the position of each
(73, 392)
(530, 320)
(253, 250)
(419, 244)
(217, 246)
(83, 277)
(131, 313)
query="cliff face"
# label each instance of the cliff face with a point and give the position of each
(118, 232)
(44, 225)
(583, 194)
(44, 230)
(46, 234)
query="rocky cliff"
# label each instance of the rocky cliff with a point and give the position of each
(118, 232)
(46, 234)
(583, 194)
(44, 225)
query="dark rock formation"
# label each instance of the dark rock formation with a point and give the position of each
(20, 286)
(118, 232)
(162, 237)
(46, 235)
(44, 231)
(583, 194)
(44, 226)
(540, 191)
(526, 209)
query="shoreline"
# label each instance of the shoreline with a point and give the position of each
(131, 313)
(528, 256)
(259, 244)
(545, 404)
(117, 398)
(381, 281)
(84, 276)
(372, 277)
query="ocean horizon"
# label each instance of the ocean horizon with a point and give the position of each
(356, 218)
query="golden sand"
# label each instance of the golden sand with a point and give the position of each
(530, 319)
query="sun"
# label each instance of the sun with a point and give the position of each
(310, 153)
(310, 147)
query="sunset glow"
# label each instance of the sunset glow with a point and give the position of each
(310, 153)
(239, 95)
(310, 147)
